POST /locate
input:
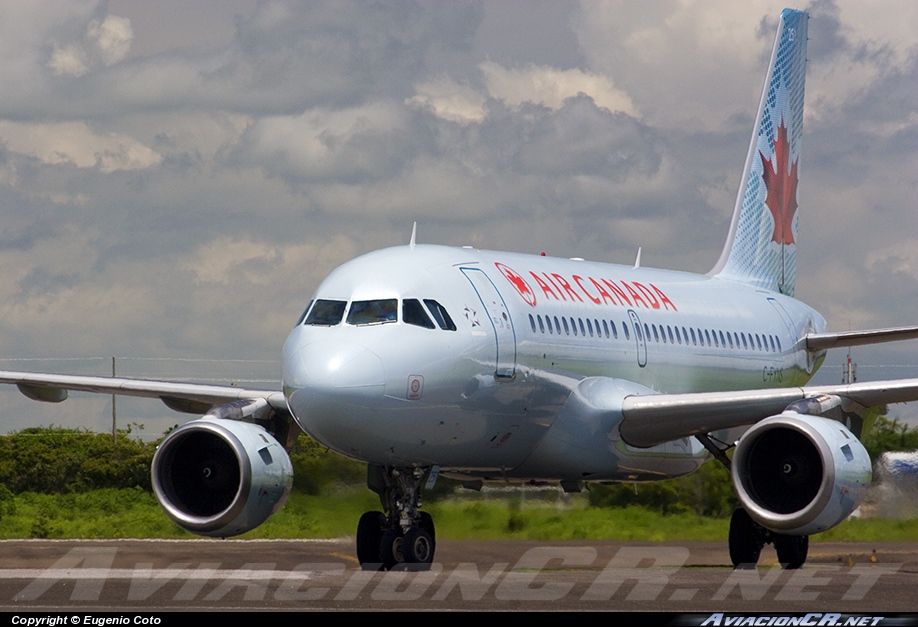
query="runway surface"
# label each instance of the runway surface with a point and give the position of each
(152, 575)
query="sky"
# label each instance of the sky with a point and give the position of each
(177, 178)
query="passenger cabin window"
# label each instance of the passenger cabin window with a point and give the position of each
(364, 312)
(413, 313)
(440, 315)
(326, 313)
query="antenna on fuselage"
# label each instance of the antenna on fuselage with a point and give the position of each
(637, 262)
(414, 233)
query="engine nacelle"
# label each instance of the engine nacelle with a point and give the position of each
(798, 474)
(217, 477)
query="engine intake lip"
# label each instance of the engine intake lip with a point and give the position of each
(800, 481)
(201, 475)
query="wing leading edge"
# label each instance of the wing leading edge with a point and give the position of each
(656, 418)
(185, 397)
(825, 341)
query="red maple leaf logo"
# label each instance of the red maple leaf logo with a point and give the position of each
(518, 282)
(781, 182)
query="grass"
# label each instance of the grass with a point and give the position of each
(872, 530)
(134, 513)
(459, 519)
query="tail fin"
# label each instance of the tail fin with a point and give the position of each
(761, 246)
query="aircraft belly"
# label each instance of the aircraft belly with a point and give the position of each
(484, 423)
(455, 438)
(609, 459)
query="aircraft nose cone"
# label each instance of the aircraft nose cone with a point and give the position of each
(346, 366)
(333, 387)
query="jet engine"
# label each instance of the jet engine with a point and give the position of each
(218, 477)
(799, 474)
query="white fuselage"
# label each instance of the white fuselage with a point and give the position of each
(479, 400)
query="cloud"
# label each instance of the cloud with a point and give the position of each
(76, 144)
(107, 41)
(682, 63)
(233, 259)
(217, 183)
(110, 40)
(69, 60)
(583, 138)
(283, 57)
(551, 87)
(348, 145)
(542, 85)
(449, 100)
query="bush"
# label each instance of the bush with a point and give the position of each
(883, 434)
(707, 492)
(56, 460)
(317, 469)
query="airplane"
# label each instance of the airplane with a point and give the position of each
(426, 360)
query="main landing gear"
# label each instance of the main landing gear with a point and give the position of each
(747, 538)
(402, 537)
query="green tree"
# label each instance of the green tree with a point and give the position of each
(885, 435)
(317, 469)
(706, 492)
(57, 460)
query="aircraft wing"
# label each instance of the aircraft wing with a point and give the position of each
(185, 397)
(824, 341)
(656, 418)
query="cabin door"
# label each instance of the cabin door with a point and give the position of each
(500, 322)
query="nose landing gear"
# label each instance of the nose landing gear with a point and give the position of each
(402, 537)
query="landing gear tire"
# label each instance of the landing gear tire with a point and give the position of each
(391, 548)
(427, 524)
(418, 547)
(791, 550)
(369, 539)
(745, 540)
(407, 539)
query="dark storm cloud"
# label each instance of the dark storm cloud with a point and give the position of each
(892, 97)
(532, 149)
(284, 58)
(824, 29)
(582, 139)
(352, 147)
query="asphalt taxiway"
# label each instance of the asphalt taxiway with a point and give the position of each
(234, 575)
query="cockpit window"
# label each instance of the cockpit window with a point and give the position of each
(413, 313)
(373, 311)
(326, 313)
(440, 315)
(303, 315)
